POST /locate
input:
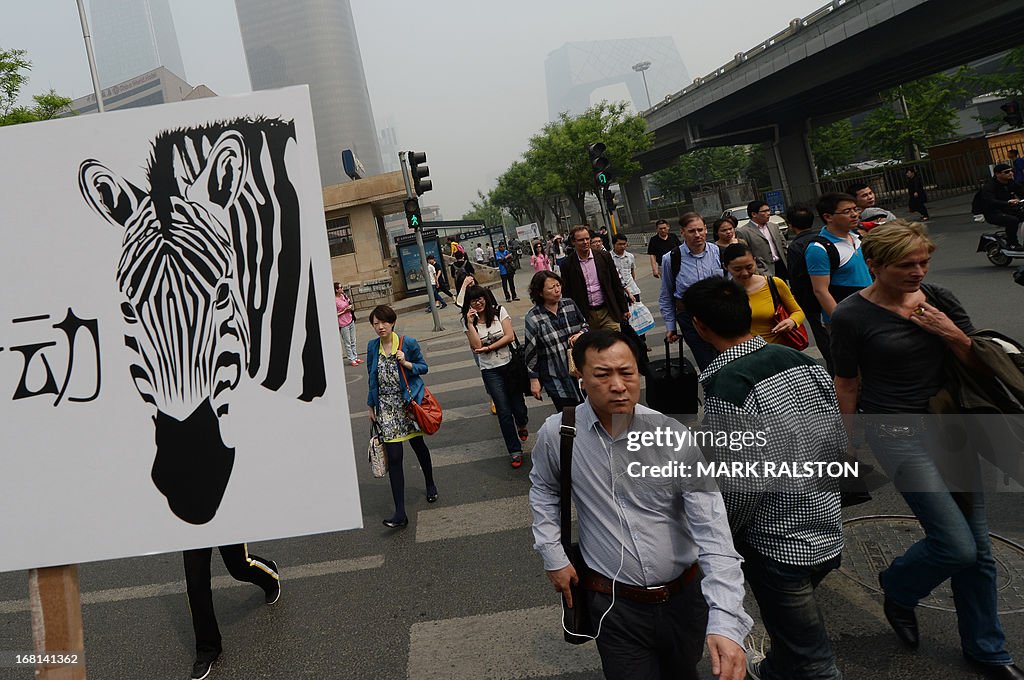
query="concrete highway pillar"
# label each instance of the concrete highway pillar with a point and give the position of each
(636, 203)
(791, 166)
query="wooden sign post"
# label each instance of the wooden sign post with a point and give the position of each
(57, 623)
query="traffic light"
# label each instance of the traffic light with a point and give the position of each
(609, 200)
(419, 172)
(412, 213)
(600, 163)
(1014, 117)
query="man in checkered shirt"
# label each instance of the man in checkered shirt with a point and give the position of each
(787, 528)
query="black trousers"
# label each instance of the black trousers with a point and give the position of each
(242, 566)
(652, 641)
(508, 283)
(1008, 222)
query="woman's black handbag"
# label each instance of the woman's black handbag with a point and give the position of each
(517, 373)
(578, 624)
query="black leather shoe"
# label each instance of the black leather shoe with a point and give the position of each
(201, 668)
(902, 619)
(396, 523)
(431, 494)
(997, 672)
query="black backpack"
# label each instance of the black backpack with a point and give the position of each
(459, 273)
(839, 293)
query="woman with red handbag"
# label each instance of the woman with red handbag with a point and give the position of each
(394, 366)
(775, 314)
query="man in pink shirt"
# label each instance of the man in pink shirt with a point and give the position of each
(590, 279)
(346, 324)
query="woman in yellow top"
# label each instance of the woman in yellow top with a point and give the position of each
(739, 262)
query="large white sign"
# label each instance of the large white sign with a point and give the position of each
(170, 371)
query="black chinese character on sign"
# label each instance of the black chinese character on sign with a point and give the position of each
(35, 352)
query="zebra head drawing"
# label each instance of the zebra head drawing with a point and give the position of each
(216, 287)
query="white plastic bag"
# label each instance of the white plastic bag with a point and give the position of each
(640, 318)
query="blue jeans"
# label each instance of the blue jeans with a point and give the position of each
(348, 338)
(956, 544)
(785, 595)
(703, 352)
(509, 405)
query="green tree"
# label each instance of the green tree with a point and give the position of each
(1007, 81)
(834, 146)
(484, 209)
(558, 155)
(14, 69)
(702, 166)
(522, 190)
(931, 116)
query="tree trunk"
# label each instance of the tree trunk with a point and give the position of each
(581, 211)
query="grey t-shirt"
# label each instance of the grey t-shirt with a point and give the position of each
(900, 364)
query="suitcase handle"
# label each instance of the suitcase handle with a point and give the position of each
(668, 355)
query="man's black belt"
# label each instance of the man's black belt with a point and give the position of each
(650, 595)
(594, 308)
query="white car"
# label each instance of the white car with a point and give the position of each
(741, 214)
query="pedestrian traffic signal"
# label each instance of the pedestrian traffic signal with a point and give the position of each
(412, 213)
(419, 172)
(601, 165)
(609, 200)
(1014, 116)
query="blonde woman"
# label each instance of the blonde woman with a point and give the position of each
(890, 344)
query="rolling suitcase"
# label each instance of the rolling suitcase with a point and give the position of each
(672, 385)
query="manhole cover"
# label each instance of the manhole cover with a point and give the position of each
(873, 542)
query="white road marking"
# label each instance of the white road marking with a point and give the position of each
(219, 582)
(522, 643)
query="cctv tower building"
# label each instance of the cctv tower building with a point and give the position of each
(575, 70)
(314, 42)
(132, 37)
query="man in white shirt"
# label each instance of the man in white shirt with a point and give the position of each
(765, 240)
(479, 254)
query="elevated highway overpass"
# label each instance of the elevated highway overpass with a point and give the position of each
(821, 68)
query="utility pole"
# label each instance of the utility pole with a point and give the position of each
(410, 195)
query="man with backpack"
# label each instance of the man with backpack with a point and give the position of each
(835, 263)
(802, 233)
(693, 261)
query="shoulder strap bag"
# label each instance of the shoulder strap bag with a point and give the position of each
(427, 412)
(796, 337)
(578, 626)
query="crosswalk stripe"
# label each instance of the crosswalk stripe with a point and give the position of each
(219, 583)
(472, 452)
(451, 366)
(521, 643)
(479, 410)
(474, 519)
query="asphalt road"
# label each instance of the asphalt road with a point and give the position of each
(460, 594)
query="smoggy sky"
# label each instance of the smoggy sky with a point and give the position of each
(470, 94)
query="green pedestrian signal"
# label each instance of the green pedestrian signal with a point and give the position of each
(601, 165)
(412, 213)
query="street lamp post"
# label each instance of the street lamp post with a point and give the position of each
(641, 68)
(91, 57)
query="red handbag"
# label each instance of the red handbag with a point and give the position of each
(796, 337)
(427, 413)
